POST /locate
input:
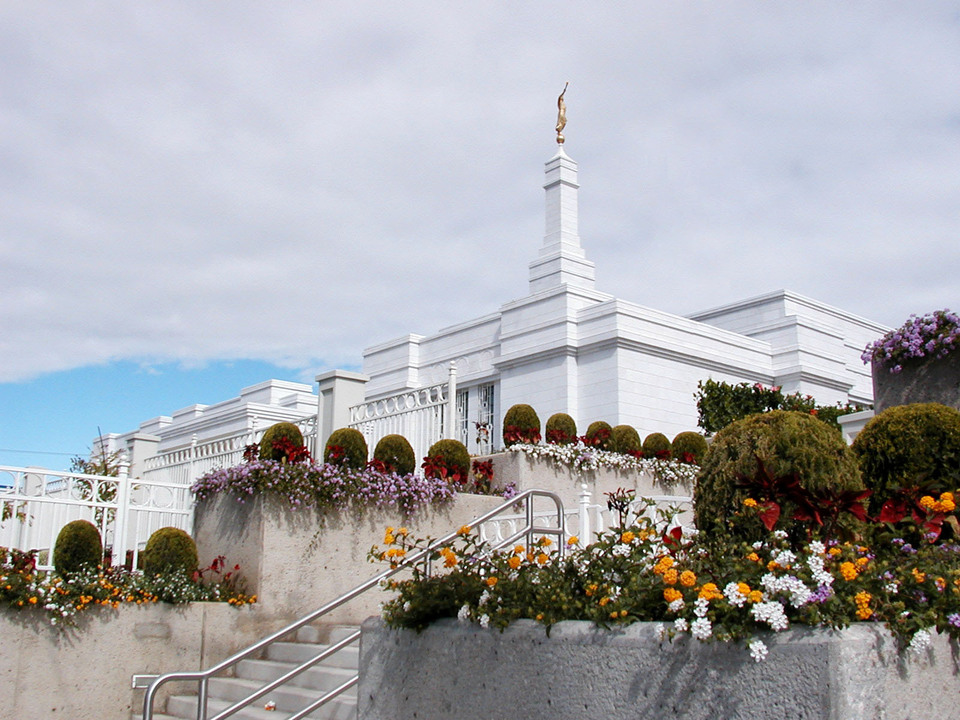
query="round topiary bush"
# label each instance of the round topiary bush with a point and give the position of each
(396, 453)
(656, 445)
(625, 439)
(521, 424)
(792, 446)
(909, 446)
(346, 446)
(277, 434)
(689, 447)
(168, 550)
(449, 459)
(561, 429)
(78, 546)
(599, 435)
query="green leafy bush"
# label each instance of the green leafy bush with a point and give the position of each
(396, 453)
(521, 424)
(448, 459)
(656, 445)
(346, 446)
(170, 550)
(785, 459)
(689, 447)
(278, 440)
(625, 439)
(599, 435)
(78, 547)
(561, 429)
(908, 447)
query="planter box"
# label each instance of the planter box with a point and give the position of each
(580, 671)
(921, 380)
(296, 560)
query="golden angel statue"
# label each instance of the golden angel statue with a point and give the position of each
(561, 114)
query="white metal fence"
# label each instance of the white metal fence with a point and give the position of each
(588, 519)
(422, 416)
(35, 504)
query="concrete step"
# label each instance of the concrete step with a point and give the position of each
(318, 677)
(324, 634)
(287, 697)
(184, 707)
(298, 652)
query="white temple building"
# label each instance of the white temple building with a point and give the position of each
(564, 347)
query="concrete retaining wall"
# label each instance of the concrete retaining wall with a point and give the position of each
(461, 670)
(295, 561)
(84, 672)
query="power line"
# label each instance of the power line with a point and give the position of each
(38, 452)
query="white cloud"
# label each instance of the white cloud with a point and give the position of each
(293, 181)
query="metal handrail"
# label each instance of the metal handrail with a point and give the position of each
(203, 677)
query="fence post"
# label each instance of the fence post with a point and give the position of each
(452, 401)
(123, 510)
(193, 459)
(584, 515)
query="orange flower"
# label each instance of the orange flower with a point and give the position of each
(491, 582)
(671, 576)
(670, 594)
(688, 578)
(514, 562)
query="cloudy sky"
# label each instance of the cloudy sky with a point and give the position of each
(197, 195)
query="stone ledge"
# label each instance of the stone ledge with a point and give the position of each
(461, 670)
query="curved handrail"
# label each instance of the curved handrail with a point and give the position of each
(202, 677)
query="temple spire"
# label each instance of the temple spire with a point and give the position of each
(561, 260)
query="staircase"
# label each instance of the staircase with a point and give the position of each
(280, 658)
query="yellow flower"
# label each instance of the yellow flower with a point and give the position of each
(614, 615)
(862, 599)
(755, 596)
(772, 565)
(710, 591)
(671, 576)
(927, 502)
(33, 601)
(861, 562)
(388, 538)
(627, 537)
(849, 571)
(688, 578)
(403, 532)
(545, 541)
(670, 594)
(514, 562)
(590, 589)
(753, 557)
(573, 540)
(750, 503)
(743, 589)
(519, 549)
(464, 531)
(663, 564)
(918, 576)
(604, 601)
(941, 584)
(834, 551)
(539, 616)
(491, 581)
(542, 559)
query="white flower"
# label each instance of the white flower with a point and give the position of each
(701, 629)
(758, 650)
(406, 606)
(464, 614)
(676, 606)
(484, 620)
(784, 558)
(681, 625)
(770, 613)
(780, 534)
(919, 642)
(661, 632)
(700, 607)
(733, 595)
(892, 587)
(816, 548)
(484, 597)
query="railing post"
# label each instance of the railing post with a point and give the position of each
(123, 511)
(452, 401)
(584, 515)
(193, 459)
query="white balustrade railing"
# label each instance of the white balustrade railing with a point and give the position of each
(422, 416)
(35, 504)
(589, 519)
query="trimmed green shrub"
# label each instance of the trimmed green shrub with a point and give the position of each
(521, 424)
(561, 429)
(909, 446)
(598, 435)
(625, 439)
(346, 446)
(169, 549)
(278, 433)
(449, 459)
(689, 447)
(656, 445)
(809, 456)
(78, 546)
(396, 453)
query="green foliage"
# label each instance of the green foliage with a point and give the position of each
(78, 547)
(169, 550)
(346, 446)
(789, 445)
(396, 453)
(599, 435)
(913, 446)
(689, 447)
(276, 434)
(720, 403)
(451, 455)
(656, 445)
(561, 429)
(521, 424)
(625, 439)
